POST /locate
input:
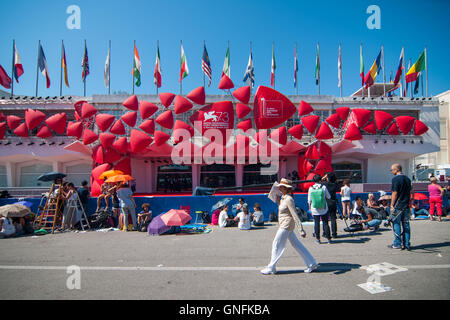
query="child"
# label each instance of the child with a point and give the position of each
(346, 192)
(144, 217)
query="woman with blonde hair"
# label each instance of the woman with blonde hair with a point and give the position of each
(435, 192)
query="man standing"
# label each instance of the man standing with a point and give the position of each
(317, 199)
(84, 195)
(400, 212)
(332, 188)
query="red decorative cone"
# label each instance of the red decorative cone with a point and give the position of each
(44, 132)
(353, 133)
(2, 116)
(420, 128)
(393, 129)
(242, 110)
(308, 166)
(324, 149)
(382, 119)
(371, 128)
(148, 126)
(107, 139)
(311, 122)
(147, 109)
(197, 95)
(296, 131)
(13, 121)
(182, 125)
(74, 129)
(334, 120)
(242, 94)
(312, 153)
(89, 136)
(226, 83)
(161, 137)
(362, 116)
(405, 123)
(182, 105)
(57, 122)
(165, 119)
(98, 155)
(245, 125)
(304, 108)
(97, 172)
(121, 145)
(2, 129)
(166, 98)
(104, 121)
(321, 165)
(124, 165)
(324, 132)
(111, 155)
(87, 110)
(118, 128)
(131, 103)
(21, 130)
(34, 118)
(279, 135)
(129, 118)
(343, 112)
(139, 140)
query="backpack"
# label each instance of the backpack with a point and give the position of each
(318, 197)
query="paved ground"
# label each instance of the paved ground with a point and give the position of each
(223, 264)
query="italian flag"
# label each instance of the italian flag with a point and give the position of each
(136, 72)
(157, 79)
(184, 70)
(226, 65)
(416, 68)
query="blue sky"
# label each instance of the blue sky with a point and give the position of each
(412, 24)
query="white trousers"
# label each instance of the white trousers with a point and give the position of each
(279, 245)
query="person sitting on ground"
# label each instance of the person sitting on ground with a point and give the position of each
(241, 204)
(258, 216)
(370, 220)
(375, 208)
(417, 211)
(7, 227)
(215, 217)
(144, 217)
(104, 194)
(385, 204)
(224, 220)
(243, 218)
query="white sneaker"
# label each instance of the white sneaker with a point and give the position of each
(311, 268)
(267, 270)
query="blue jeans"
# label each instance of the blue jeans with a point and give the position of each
(400, 224)
(420, 212)
(373, 223)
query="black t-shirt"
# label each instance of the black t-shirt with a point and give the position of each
(402, 184)
(332, 189)
(83, 194)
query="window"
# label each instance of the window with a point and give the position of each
(3, 179)
(252, 175)
(217, 176)
(348, 170)
(175, 178)
(79, 172)
(29, 175)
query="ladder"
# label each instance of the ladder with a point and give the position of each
(73, 206)
(51, 214)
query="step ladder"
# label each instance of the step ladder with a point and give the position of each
(73, 206)
(51, 215)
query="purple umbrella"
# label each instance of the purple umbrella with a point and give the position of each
(157, 226)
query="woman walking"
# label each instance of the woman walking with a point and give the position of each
(436, 192)
(286, 216)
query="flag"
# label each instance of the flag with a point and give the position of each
(107, 68)
(226, 65)
(399, 72)
(64, 65)
(250, 72)
(85, 64)
(272, 69)
(136, 72)
(295, 68)
(339, 69)
(317, 73)
(206, 65)
(5, 80)
(416, 85)
(42, 62)
(418, 66)
(406, 85)
(361, 66)
(369, 79)
(184, 70)
(18, 68)
(157, 75)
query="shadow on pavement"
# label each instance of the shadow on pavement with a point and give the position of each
(336, 268)
(431, 247)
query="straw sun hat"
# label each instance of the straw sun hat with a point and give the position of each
(286, 183)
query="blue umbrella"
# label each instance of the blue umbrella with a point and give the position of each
(51, 176)
(221, 203)
(24, 203)
(157, 226)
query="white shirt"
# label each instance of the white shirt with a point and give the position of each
(244, 221)
(315, 211)
(259, 216)
(346, 192)
(8, 227)
(223, 219)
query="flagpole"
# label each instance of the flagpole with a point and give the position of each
(404, 72)
(412, 95)
(251, 84)
(181, 79)
(84, 71)
(60, 70)
(340, 71)
(426, 72)
(37, 68)
(363, 70)
(157, 51)
(318, 66)
(384, 75)
(203, 72)
(296, 73)
(12, 69)
(109, 67)
(134, 46)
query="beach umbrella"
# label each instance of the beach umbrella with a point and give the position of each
(157, 226)
(110, 173)
(420, 196)
(221, 203)
(119, 178)
(176, 217)
(14, 210)
(51, 176)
